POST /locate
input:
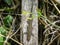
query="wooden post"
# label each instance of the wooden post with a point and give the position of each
(26, 6)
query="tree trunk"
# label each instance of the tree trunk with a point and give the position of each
(33, 33)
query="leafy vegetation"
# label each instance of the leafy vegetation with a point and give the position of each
(2, 32)
(8, 20)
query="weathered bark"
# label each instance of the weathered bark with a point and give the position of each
(26, 6)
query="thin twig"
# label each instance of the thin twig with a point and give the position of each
(55, 6)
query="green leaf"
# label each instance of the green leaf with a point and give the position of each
(9, 2)
(2, 30)
(1, 43)
(8, 20)
(1, 39)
